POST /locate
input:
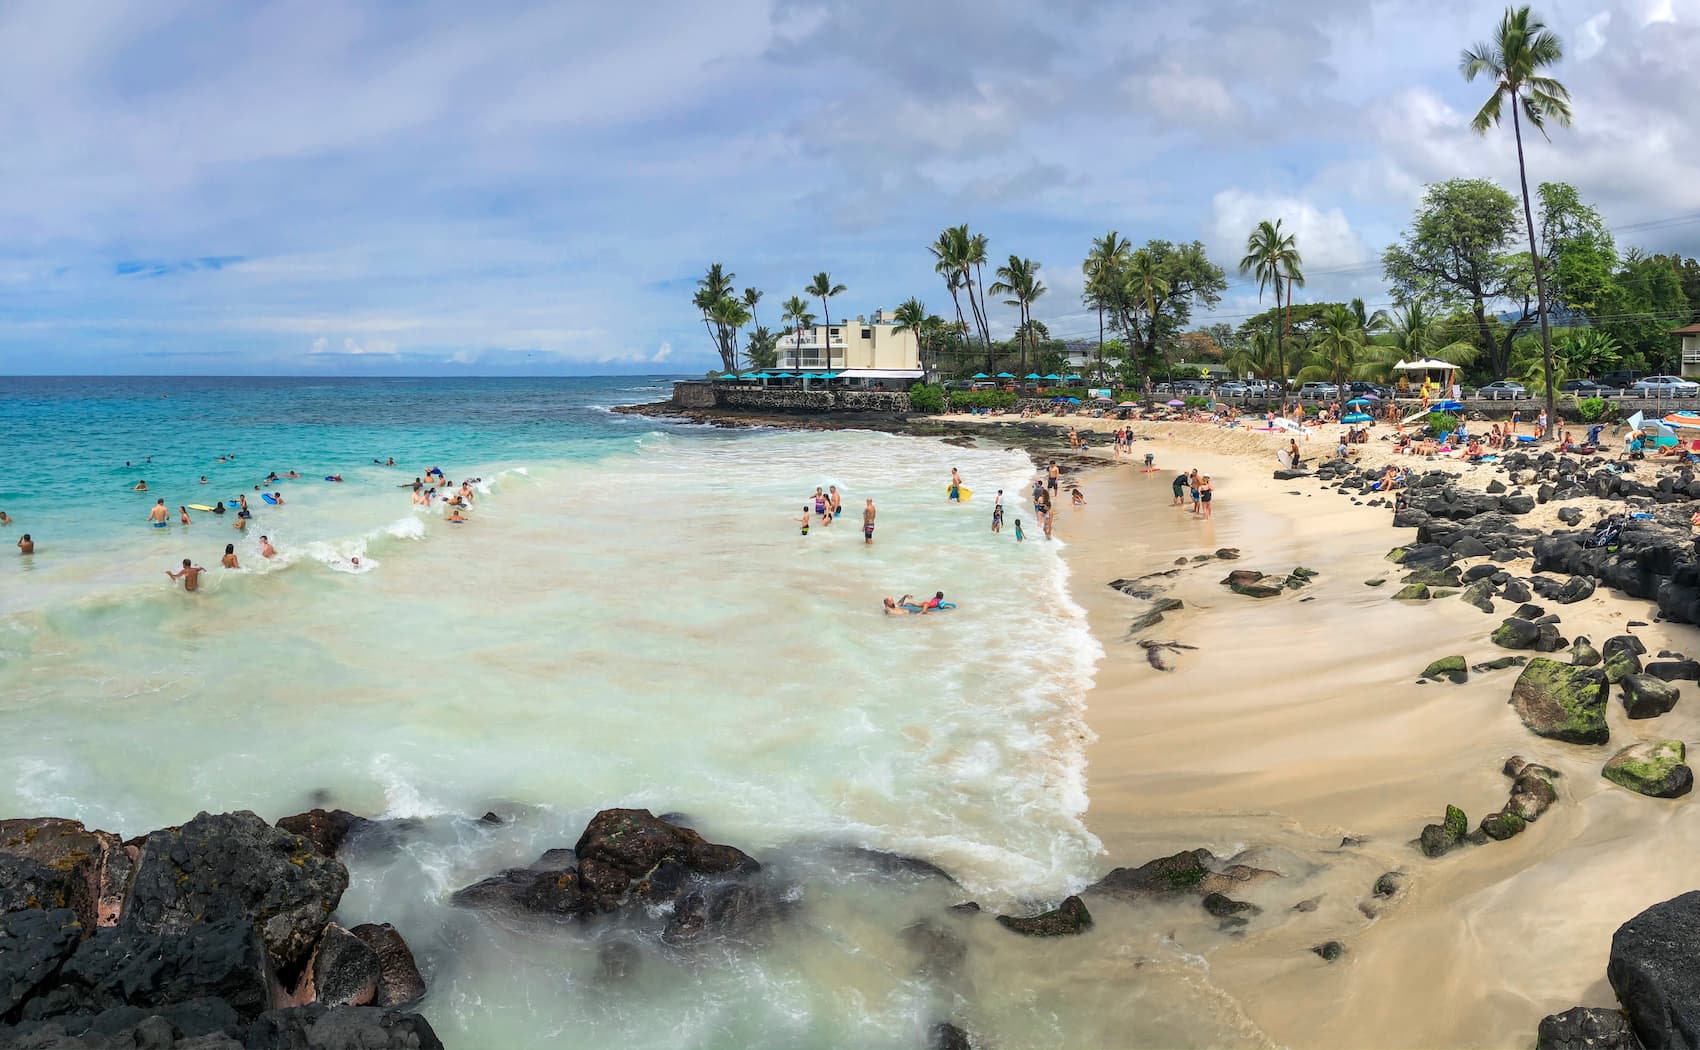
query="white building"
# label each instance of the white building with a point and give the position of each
(856, 349)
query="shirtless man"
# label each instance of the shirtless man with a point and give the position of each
(1051, 476)
(266, 548)
(158, 515)
(455, 516)
(229, 560)
(189, 574)
(141, 486)
(5, 519)
(26, 545)
(868, 521)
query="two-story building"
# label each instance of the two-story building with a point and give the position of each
(1690, 336)
(864, 348)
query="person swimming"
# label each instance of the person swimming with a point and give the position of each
(229, 560)
(140, 486)
(5, 519)
(266, 548)
(190, 574)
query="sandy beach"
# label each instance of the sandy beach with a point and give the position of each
(1297, 722)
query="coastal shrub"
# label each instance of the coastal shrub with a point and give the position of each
(1591, 409)
(924, 398)
(1442, 422)
(1196, 402)
(969, 400)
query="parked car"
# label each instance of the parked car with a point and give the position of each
(1667, 386)
(1505, 388)
(1263, 388)
(1192, 387)
(1622, 379)
(1358, 388)
(1587, 388)
(1232, 388)
(1319, 391)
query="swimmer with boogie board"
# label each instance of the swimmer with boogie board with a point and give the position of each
(907, 606)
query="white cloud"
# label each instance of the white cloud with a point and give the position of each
(1185, 97)
(1325, 237)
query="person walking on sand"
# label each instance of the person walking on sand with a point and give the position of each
(158, 515)
(1516, 419)
(1204, 490)
(229, 561)
(1052, 474)
(26, 545)
(190, 574)
(868, 522)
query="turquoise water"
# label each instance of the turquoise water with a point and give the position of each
(630, 618)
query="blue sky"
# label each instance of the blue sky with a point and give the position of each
(445, 188)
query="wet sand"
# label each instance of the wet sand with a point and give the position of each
(1298, 722)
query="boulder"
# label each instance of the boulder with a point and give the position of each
(629, 853)
(130, 967)
(1514, 590)
(1439, 838)
(1586, 1028)
(1188, 872)
(1569, 515)
(1330, 950)
(1653, 973)
(399, 981)
(1068, 918)
(1675, 670)
(1584, 655)
(1562, 702)
(1480, 595)
(344, 969)
(1412, 592)
(1620, 665)
(366, 1027)
(1516, 633)
(33, 945)
(942, 951)
(1448, 577)
(719, 907)
(1499, 663)
(1451, 668)
(1532, 791)
(1502, 825)
(1623, 643)
(1653, 768)
(235, 866)
(1645, 696)
(1254, 584)
(325, 830)
(1222, 906)
(1574, 590)
(547, 889)
(946, 1036)
(49, 862)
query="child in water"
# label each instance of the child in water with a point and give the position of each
(804, 520)
(1019, 538)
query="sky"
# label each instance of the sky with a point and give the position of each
(512, 188)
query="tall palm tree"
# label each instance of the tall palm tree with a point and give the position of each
(822, 286)
(1019, 280)
(952, 252)
(729, 315)
(714, 286)
(976, 257)
(1102, 269)
(1142, 283)
(751, 298)
(1408, 333)
(1273, 258)
(911, 316)
(797, 314)
(1513, 59)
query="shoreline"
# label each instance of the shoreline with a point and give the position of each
(1312, 750)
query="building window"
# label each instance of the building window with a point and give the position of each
(867, 333)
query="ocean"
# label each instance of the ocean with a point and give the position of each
(630, 618)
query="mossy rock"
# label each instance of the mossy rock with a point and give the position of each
(1303, 573)
(1584, 655)
(1415, 592)
(1375, 583)
(1620, 664)
(1451, 668)
(1499, 663)
(1443, 592)
(1067, 919)
(1434, 577)
(1439, 838)
(1516, 633)
(1562, 702)
(1647, 697)
(1397, 554)
(1655, 769)
(1501, 826)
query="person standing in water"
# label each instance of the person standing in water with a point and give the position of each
(1019, 538)
(229, 561)
(804, 520)
(836, 501)
(955, 493)
(1204, 490)
(158, 515)
(190, 574)
(1179, 488)
(1192, 482)
(26, 545)
(997, 512)
(141, 486)
(868, 521)
(266, 548)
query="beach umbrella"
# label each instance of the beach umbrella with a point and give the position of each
(1356, 402)
(1053, 375)
(981, 375)
(1074, 377)
(1358, 417)
(1128, 404)
(1683, 419)
(1450, 406)
(1034, 375)
(1006, 375)
(1177, 403)
(1072, 400)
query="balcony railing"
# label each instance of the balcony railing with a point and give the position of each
(794, 361)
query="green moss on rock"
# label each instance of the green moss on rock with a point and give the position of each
(1415, 592)
(1656, 769)
(1451, 668)
(1562, 702)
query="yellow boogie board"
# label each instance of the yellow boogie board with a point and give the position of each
(199, 506)
(962, 492)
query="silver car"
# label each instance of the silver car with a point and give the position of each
(1504, 388)
(1666, 386)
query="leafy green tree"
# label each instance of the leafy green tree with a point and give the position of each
(911, 316)
(1513, 60)
(714, 299)
(1688, 273)
(762, 350)
(798, 316)
(1577, 250)
(1408, 333)
(1586, 351)
(1647, 301)
(729, 315)
(823, 287)
(1019, 279)
(1273, 258)
(1337, 353)
(1260, 355)
(958, 255)
(1457, 252)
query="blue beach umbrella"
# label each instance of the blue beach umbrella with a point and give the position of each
(1053, 375)
(1072, 400)
(1074, 377)
(1358, 417)
(1034, 375)
(1450, 406)
(981, 375)
(829, 375)
(1357, 402)
(1006, 375)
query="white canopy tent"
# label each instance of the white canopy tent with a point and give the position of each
(1426, 364)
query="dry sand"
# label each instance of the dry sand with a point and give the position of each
(1298, 721)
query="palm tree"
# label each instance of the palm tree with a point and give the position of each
(911, 316)
(1337, 351)
(1102, 269)
(976, 257)
(729, 315)
(1410, 332)
(751, 298)
(1020, 281)
(715, 285)
(1143, 282)
(1273, 258)
(822, 286)
(797, 313)
(951, 252)
(1260, 356)
(1513, 59)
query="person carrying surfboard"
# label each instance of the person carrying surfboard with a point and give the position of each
(954, 493)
